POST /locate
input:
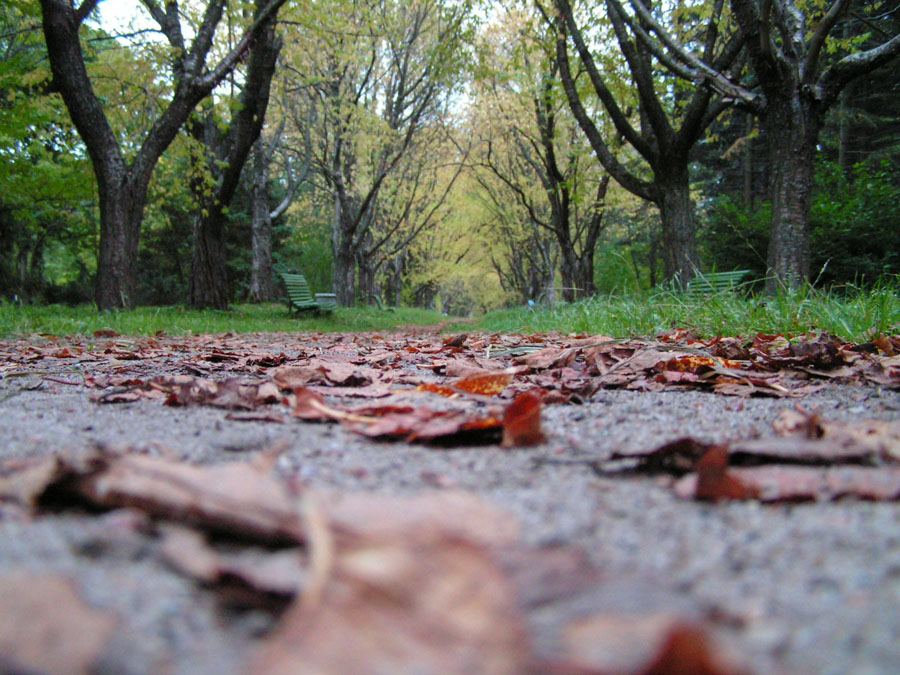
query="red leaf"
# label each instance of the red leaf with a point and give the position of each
(522, 421)
(713, 480)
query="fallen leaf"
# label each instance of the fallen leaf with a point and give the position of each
(490, 384)
(647, 644)
(801, 483)
(522, 421)
(232, 498)
(248, 577)
(447, 512)
(423, 603)
(715, 482)
(45, 627)
(549, 357)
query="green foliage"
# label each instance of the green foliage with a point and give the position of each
(853, 314)
(855, 223)
(16, 321)
(853, 233)
(734, 237)
(47, 221)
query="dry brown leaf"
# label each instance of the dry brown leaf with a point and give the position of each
(249, 577)
(549, 357)
(490, 384)
(451, 513)
(423, 603)
(871, 440)
(806, 483)
(45, 627)
(645, 644)
(232, 498)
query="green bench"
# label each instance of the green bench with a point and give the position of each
(300, 298)
(711, 283)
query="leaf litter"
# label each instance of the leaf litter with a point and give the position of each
(398, 584)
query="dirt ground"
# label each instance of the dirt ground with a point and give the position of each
(807, 587)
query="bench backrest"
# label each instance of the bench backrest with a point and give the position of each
(298, 289)
(714, 282)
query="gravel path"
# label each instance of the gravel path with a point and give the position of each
(797, 588)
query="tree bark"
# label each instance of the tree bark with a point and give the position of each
(343, 253)
(792, 127)
(122, 201)
(262, 285)
(209, 278)
(678, 225)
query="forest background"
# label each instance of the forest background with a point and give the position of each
(455, 155)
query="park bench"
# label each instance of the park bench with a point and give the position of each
(300, 298)
(711, 283)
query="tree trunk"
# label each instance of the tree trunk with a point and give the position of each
(228, 154)
(122, 204)
(209, 277)
(262, 286)
(568, 269)
(678, 225)
(344, 259)
(366, 290)
(747, 162)
(585, 275)
(792, 127)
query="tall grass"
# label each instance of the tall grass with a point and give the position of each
(852, 313)
(174, 320)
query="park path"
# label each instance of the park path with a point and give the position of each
(295, 534)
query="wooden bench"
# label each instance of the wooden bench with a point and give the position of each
(300, 298)
(711, 283)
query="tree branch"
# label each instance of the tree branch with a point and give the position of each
(822, 30)
(852, 66)
(84, 10)
(622, 176)
(702, 71)
(609, 102)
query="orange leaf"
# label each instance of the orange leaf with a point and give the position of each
(441, 389)
(486, 385)
(522, 421)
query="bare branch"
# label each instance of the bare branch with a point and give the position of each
(822, 31)
(609, 102)
(702, 70)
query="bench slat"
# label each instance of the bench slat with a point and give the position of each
(300, 296)
(714, 282)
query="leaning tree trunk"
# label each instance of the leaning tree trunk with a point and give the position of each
(792, 129)
(678, 224)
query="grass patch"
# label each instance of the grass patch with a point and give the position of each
(174, 320)
(851, 313)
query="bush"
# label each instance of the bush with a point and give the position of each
(853, 228)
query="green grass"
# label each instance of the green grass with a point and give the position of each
(852, 313)
(174, 320)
